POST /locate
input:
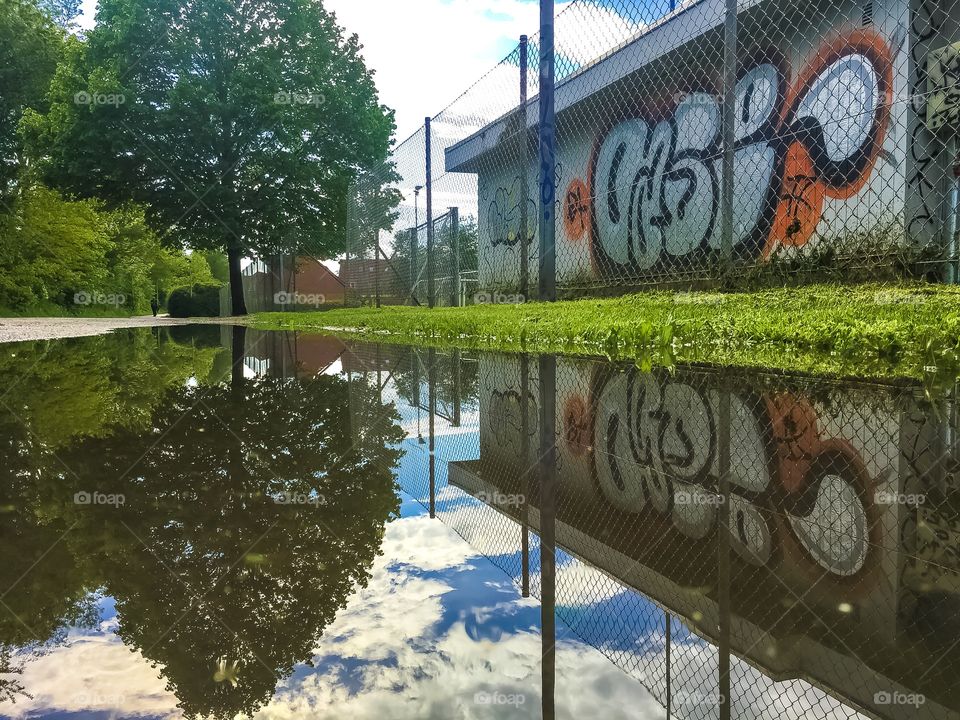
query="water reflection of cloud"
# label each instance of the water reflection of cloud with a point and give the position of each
(420, 641)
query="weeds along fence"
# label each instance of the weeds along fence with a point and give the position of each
(835, 157)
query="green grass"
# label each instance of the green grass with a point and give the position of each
(52, 310)
(903, 330)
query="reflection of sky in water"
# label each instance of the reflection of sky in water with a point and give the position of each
(435, 626)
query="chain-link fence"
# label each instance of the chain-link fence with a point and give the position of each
(746, 545)
(836, 157)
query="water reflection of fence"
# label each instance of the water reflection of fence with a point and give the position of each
(787, 544)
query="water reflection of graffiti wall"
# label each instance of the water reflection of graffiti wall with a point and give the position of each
(836, 577)
(820, 155)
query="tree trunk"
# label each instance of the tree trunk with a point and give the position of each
(237, 302)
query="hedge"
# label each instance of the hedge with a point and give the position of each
(201, 300)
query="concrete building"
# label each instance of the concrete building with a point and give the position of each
(833, 146)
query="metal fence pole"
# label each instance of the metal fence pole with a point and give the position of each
(548, 157)
(376, 270)
(455, 251)
(524, 162)
(729, 131)
(415, 245)
(430, 298)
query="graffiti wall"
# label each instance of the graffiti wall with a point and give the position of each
(819, 158)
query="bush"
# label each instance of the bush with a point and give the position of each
(201, 300)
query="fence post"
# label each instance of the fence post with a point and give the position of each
(455, 251)
(524, 162)
(376, 270)
(430, 298)
(548, 157)
(729, 131)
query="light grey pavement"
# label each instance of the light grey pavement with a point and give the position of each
(50, 328)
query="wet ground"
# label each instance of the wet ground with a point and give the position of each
(218, 522)
(52, 328)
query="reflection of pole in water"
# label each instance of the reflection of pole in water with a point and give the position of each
(525, 475)
(547, 477)
(238, 352)
(456, 388)
(432, 404)
(723, 550)
(667, 629)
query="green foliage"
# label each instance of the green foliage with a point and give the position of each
(30, 46)
(219, 267)
(200, 300)
(51, 249)
(54, 251)
(906, 329)
(239, 124)
(62, 12)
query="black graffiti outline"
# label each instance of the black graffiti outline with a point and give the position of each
(776, 134)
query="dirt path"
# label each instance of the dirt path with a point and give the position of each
(19, 329)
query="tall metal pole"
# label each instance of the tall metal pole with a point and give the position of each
(729, 122)
(415, 244)
(455, 247)
(524, 164)
(430, 299)
(548, 157)
(376, 269)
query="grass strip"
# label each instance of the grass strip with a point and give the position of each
(900, 330)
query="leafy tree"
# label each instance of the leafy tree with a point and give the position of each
(218, 265)
(52, 249)
(62, 12)
(239, 122)
(30, 46)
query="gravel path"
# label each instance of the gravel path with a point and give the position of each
(49, 328)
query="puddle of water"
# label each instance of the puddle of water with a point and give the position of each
(210, 522)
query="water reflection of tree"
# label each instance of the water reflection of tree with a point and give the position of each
(220, 585)
(54, 395)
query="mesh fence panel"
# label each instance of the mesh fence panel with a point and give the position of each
(799, 531)
(843, 117)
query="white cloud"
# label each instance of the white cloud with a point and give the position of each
(92, 673)
(427, 52)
